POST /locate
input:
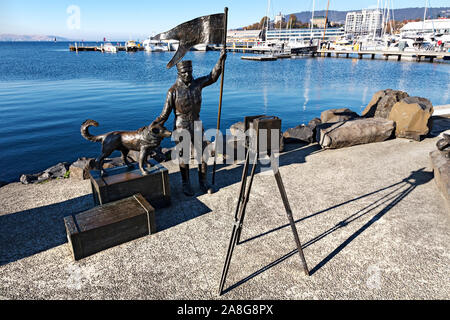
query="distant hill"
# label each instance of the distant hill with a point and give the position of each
(21, 37)
(399, 14)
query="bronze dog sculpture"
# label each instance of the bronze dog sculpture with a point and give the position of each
(143, 140)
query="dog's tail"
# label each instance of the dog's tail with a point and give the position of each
(85, 131)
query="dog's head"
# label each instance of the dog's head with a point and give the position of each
(158, 131)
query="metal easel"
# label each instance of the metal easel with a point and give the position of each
(268, 123)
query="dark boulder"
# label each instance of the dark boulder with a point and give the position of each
(337, 115)
(354, 132)
(79, 170)
(54, 172)
(382, 102)
(300, 133)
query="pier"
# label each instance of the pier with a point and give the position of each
(398, 55)
(274, 54)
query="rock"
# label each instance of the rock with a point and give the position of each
(237, 128)
(300, 133)
(441, 167)
(79, 170)
(158, 155)
(29, 178)
(319, 128)
(337, 115)
(113, 162)
(56, 171)
(382, 102)
(411, 116)
(354, 132)
(313, 123)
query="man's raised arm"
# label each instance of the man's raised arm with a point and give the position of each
(215, 73)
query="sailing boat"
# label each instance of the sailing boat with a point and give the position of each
(295, 46)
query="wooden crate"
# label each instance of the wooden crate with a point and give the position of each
(121, 182)
(109, 225)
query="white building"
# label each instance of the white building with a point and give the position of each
(364, 22)
(279, 17)
(434, 26)
(284, 35)
(331, 34)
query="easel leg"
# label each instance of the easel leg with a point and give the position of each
(243, 183)
(239, 219)
(289, 212)
(245, 199)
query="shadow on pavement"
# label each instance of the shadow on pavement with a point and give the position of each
(399, 191)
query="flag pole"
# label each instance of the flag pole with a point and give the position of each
(224, 42)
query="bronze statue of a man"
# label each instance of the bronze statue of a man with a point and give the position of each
(185, 98)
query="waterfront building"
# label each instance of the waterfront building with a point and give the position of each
(243, 36)
(331, 34)
(433, 26)
(365, 22)
(284, 35)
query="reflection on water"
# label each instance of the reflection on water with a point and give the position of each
(306, 83)
(364, 98)
(46, 92)
(266, 101)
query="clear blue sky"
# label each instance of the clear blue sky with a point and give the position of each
(138, 19)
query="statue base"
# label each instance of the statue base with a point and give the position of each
(109, 225)
(122, 182)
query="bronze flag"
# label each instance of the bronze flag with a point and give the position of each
(206, 29)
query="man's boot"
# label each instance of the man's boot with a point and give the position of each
(186, 184)
(205, 187)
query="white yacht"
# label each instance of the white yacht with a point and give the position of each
(131, 45)
(154, 46)
(199, 47)
(109, 47)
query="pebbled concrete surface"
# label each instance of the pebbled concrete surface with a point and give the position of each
(370, 219)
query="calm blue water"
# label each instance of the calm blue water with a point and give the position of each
(46, 92)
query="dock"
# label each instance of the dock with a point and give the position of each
(398, 55)
(271, 55)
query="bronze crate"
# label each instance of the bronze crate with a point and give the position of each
(122, 182)
(109, 225)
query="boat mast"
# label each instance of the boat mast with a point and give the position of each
(326, 21)
(312, 20)
(267, 18)
(393, 18)
(375, 29)
(424, 15)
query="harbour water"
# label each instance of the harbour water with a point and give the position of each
(46, 92)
